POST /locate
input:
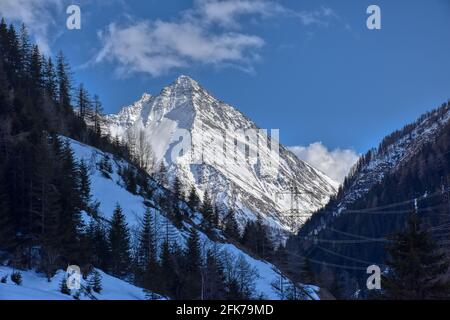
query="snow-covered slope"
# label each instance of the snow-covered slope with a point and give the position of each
(35, 286)
(395, 150)
(110, 191)
(277, 185)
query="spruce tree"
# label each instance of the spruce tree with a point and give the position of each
(167, 269)
(231, 226)
(84, 185)
(161, 175)
(98, 113)
(63, 286)
(35, 73)
(193, 199)
(84, 103)
(7, 234)
(119, 244)
(50, 79)
(177, 188)
(95, 282)
(208, 212)
(146, 257)
(213, 277)
(71, 225)
(64, 82)
(193, 265)
(416, 266)
(24, 49)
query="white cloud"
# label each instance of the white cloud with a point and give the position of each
(38, 15)
(205, 34)
(157, 47)
(335, 163)
(227, 12)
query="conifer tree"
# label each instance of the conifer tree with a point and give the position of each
(416, 265)
(83, 103)
(193, 263)
(208, 212)
(95, 282)
(213, 278)
(167, 269)
(64, 82)
(35, 73)
(193, 199)
(161, 175)
(84, 185)
(71, 225)
(177, 188)
(63, 286)
(98, 112)
(24, 49)
(99, 246)
(231, 226)
(119, 244)
(50, 79)
(7, 235)
(147, 251)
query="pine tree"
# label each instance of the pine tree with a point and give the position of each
(161, 175)
(24, 49)
(231, 226)
(63, 286)
(208, 212)
(119, 244)
(84, 185)
(98, 245)
(416, 265)
(167, 269)
(98, 112)
(193, 199)
(193, 265)
(264, 246)
(177, 188)
(7, 235)
(84, 104)
(213, 277)
(95, 282)
(35, 73)
(64, 82)
(71, 225)
(147, 251)
(50, 79)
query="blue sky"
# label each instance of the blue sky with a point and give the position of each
(310, 68)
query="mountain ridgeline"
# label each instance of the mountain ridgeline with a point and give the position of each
(409, 173)
(70, 194)
(223, 137)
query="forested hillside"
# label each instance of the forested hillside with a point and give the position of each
(354, 229)
(71, 195)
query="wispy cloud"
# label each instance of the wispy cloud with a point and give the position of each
(209, 34)
(335, 163)
(38, 15)
(156, 47)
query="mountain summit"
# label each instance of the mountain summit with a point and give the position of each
(214, 147)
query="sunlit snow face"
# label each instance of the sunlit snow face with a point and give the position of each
(251, 146)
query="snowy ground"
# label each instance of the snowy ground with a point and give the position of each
(36, 287)
(109, 192)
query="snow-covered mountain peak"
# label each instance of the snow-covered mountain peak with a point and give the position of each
(225, 153)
